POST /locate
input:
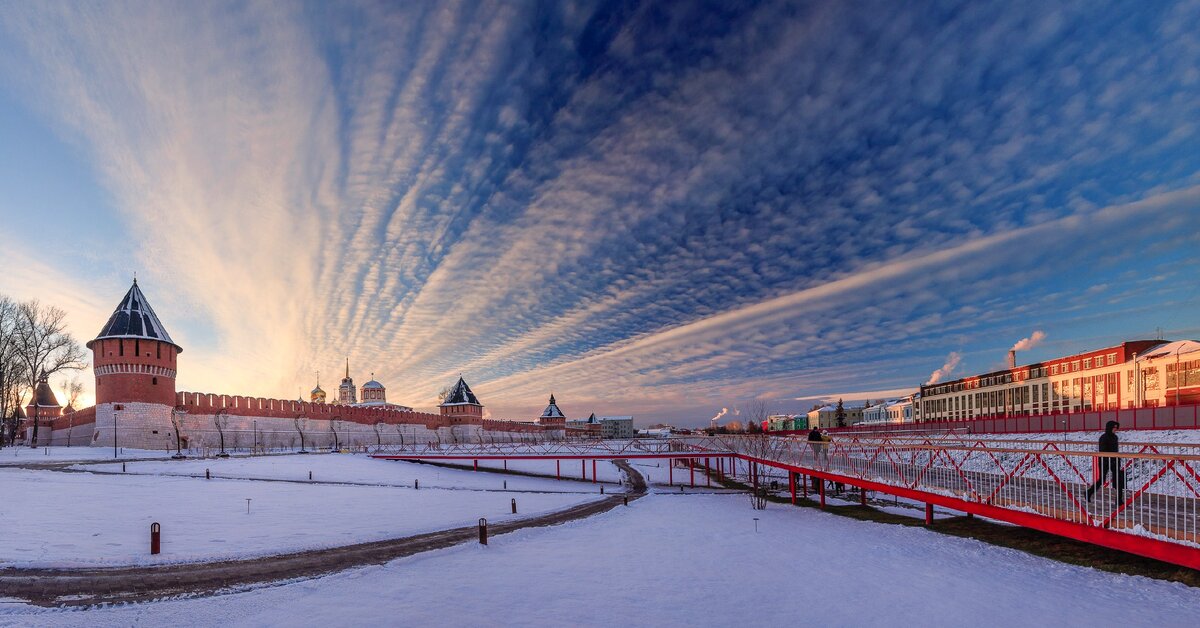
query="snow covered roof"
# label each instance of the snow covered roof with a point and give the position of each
(1179, 347)
(552, 411)
(134, 318)
(372, 384)
(461, 395)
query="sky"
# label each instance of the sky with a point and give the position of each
(657, 209)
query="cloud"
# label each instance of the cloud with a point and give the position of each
(650, 210)
(1032, 341)
(952, 361)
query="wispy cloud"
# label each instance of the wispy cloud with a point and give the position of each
(651, 209)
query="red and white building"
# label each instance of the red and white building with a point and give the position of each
(1134, 374)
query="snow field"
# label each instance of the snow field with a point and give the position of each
(76, 519)
(805, 567)
(10, 456)
(351, 468)
(606, 470)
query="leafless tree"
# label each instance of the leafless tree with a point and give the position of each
(333, 425)
(221, 420)
(378, 433)
(400, 430)
(12, 369)
(301, 423)
(45, 347)
(177, 422)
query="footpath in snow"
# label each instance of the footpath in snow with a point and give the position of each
(802, 567)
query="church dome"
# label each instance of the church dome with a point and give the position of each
(372, 385)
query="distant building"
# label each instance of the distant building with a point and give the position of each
(826, 416)
(785, 422)
(616, 426)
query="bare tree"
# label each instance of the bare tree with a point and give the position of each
(45, 347)
(71, 391)
(12, 370)
(379, 433)
(757, 414)
(400, 430)
(301, 423)
(177, 422)
(333, 425)
(221, 420)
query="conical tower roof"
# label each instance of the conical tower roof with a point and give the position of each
(134, 318)
(552, 411)
(461, 394)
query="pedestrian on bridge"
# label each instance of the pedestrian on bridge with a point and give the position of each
(816, 442)
(1109, 443)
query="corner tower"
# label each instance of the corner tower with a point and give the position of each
(461, 405)
(134, 360)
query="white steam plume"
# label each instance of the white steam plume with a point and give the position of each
(720, 414)
(952, 361)
(1032, 341)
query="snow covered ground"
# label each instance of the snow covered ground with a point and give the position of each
(355, 468)
(607, 471)
(802, 567)
(82, 518)
(10, 456)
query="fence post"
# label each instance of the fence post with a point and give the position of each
(514, 506)
(482, 531)
(928, 514)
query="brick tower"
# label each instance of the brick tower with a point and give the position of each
(134, 360)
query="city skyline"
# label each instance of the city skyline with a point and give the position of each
(647, 212)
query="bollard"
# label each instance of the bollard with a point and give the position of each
(601, 489)
(506, 485)
(122, 467)
(483, 530)
(207, 474)
(310, 476)
(416, 484)
(514, 506)
(626, 500)
(155, 538)
(680, 488)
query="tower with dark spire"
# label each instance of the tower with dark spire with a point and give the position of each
(347, 393)
(461, 405)
(552, 415)
(133, 356)
(135, 362)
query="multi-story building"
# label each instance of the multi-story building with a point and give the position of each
(826, 416)
(1134, 374)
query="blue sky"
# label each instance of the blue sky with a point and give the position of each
(662, 209)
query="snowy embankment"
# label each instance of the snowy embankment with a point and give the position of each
(349, 468)
(623, 568)
(10, 456)
(72, 519)
(570, 469)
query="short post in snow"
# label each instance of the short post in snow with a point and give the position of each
(482, 531)
(626, 500)
(416, 485)
(928, 514)
(476, 465)
(310, 476)
(506, 485)
(207, 474)
(514, 506)
(155, 538)
(122, 467)
(247, 505)
(756, 524)
(601, 489)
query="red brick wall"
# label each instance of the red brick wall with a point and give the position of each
(129, 370)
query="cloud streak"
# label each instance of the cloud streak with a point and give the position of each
(654, 210)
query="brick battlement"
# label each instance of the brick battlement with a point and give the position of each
(237, 405)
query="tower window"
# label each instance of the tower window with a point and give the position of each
(121, 345)
(153, 381)
(158, 350)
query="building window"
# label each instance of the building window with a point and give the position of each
(1075, 365)
(1112, 359)
(154, 381)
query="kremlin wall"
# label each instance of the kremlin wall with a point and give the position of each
(136, 362)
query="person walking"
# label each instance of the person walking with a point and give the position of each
(816, 442)
(1109, 443)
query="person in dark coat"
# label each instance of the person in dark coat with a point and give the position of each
(1109, 443)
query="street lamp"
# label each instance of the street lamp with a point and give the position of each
(115, 413)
